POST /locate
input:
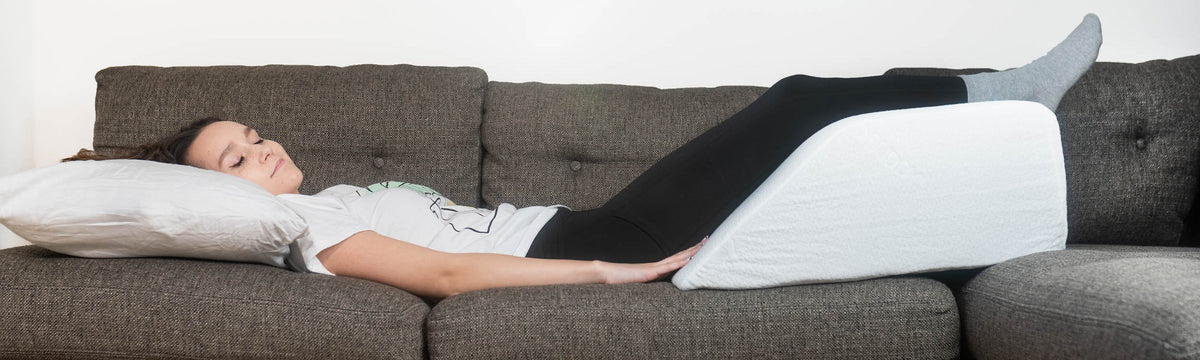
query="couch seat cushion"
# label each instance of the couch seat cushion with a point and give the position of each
(355, 125)
(1087, 302)
(55, 306)
(907, 318)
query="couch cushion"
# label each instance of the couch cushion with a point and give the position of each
(355, 125)
(55, 306)
(1087, 302)
(1130, 143)
(577, 145)
(906, 318)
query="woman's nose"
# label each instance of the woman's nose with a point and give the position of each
(264, 153)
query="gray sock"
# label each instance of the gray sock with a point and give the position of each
(1046, 79)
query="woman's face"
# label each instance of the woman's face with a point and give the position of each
(235, 149)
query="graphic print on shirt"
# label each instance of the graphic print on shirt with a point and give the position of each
(460, 218)
(461, 221)
(401, 184)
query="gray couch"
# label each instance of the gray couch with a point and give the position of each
(1128, 286)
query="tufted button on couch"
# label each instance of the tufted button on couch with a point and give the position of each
(1127, 286)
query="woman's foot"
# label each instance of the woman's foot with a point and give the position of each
(1046, 79)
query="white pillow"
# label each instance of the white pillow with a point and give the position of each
(136, 208)
(897, 192)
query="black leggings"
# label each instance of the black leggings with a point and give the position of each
(689, 192)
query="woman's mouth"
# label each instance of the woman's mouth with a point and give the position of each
(277, 166)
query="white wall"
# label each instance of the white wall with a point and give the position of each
(56, 46)
(16, 95)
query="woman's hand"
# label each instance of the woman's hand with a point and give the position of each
(434, 274)
(616, 273)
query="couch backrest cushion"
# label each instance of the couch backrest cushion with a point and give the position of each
(577, 145)
(1131, 141)
(354, 125)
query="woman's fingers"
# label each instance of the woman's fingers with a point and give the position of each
(622, 273)
(678, 260)
(686, 254)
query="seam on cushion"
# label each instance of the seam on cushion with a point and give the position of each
(106, 354)
(458, 313)
(218, 298)
(820, 306)
(1186, 349)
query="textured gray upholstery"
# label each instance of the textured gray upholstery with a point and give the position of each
(577, 145)
(56, 306)
(1087, 302)
(353, 125)
(894, 318)
(1130, 143)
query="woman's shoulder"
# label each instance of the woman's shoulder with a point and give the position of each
(332, 198)
(340, 191)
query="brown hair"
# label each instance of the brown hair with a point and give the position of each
(171, 149)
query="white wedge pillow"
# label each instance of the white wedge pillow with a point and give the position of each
(897, 192)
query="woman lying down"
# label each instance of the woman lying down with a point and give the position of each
(648, 230)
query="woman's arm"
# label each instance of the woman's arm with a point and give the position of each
(419, 270)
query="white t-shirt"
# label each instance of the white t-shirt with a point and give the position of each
(421, 218)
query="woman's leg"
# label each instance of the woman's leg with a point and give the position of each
(1046, 79)
(688, 193)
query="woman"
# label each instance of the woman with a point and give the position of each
(649, 229)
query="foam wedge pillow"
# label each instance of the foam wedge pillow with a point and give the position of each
(897, 192)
